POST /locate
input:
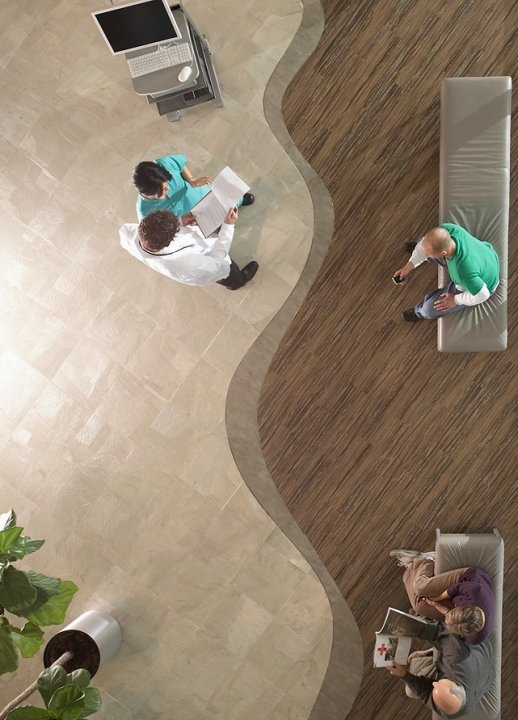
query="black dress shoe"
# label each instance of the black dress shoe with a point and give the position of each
(410, 316)
(250, 270)
(409, 247)
(248, 199)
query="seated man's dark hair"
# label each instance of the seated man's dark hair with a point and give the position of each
(157, 230)
(149, 177)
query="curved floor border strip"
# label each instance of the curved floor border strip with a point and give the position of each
(343, 675)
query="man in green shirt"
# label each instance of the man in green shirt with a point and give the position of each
(472, 265)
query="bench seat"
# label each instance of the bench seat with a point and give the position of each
(485, 551)
(474, 193)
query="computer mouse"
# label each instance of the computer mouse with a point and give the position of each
(185, 74)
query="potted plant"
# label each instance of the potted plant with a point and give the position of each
(71, 657)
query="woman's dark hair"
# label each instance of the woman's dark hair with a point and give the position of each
(149, 177)
(158, 229)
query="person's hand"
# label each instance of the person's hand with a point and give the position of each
(437, 605)
(404, 272)
(442, 596)
(203, 180)
(432, 603)
(397, 670)
(231, 216)
(445, 302)
(188, 219)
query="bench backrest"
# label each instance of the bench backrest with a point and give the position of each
(485, 551)
(474, 193)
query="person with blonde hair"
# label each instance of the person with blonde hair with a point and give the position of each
(462, 599)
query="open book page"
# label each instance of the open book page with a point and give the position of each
(228, 187)
(209, 214)
(398, 623)
(389, 650)
(226, 190)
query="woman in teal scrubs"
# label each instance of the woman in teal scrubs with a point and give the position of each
(168, 184)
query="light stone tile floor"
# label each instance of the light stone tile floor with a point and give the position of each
(114, 378)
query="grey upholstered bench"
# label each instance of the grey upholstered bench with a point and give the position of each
(485, 551)
(474, 193)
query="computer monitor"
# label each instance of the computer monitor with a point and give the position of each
(137, 25)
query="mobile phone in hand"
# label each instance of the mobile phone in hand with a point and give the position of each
(397, 279)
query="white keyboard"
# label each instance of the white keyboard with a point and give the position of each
(159, 60)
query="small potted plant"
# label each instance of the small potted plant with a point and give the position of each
(71, 657)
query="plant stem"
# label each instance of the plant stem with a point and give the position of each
(29, 690)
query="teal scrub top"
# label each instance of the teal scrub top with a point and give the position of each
(181, 197)
(474, 263)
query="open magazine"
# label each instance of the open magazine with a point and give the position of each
(394, 639)
(389, 650)
(225, 192)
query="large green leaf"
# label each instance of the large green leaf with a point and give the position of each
(80, 677)
(28, 640)
(28, 713)
(32, 545)
(9, 537)
(8, 654)
(16, 592)
(49, 584)
(92, 702)
(7, 520)
(75, 711)
(67, 702)
(22, 547)
(49, 681)
(42, 597)
(54, 610)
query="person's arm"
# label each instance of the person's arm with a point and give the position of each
(466, 298)
(187, 219)
(225, 236)
(437, 605)
(420, 686)
(479, 294)
(443, 596)
(194, 182)
(206, 269)
(417, 258)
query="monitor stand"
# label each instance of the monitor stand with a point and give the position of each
(163, 88)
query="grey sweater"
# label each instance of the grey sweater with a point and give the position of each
(471, 666)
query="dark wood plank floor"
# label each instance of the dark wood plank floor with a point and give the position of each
(373, 438)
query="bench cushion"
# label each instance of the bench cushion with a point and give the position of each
(485, 551)
(474, 193)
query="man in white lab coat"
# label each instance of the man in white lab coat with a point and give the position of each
(177, 248)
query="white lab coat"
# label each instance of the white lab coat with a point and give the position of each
(190, 258)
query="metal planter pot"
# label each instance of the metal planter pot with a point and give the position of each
(94, 638)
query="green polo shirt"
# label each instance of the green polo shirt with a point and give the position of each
(474, 263)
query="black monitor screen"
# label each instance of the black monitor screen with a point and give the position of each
(135, 26)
